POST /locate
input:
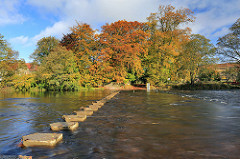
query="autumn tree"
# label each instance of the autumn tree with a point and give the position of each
(9, 62)
(58, 70)
(70, 42)
(166, 42)
(59, 61)
(84, 42)
(198, 51)
(208, 74)
(229, 45)
(124, 45)
(44, 47)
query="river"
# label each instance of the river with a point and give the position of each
(133, 124)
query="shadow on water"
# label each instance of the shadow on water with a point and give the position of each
(134, 124)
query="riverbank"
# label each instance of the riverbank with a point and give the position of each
(114, 87)
(204, 86)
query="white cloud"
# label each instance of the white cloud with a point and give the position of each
(57, 30)
(19, 40)
(93, 12)
(223, 31)
(211, 15)
(9, 12)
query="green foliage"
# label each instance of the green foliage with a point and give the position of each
(58, 71)
(44, 47)
(166, 43)
(205, 86)
(63, 82)
(197, 52)
(23, 82)
(209, 75)
(131, 77)
(232, 74)
(59, 61)
(9, 63)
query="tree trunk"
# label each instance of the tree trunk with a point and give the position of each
(192, 78)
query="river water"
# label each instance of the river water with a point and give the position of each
(133, 124)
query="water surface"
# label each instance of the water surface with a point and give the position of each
(134, 124)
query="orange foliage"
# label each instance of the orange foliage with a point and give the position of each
(123, 45)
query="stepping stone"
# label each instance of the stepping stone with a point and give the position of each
(41, 139)
(100, 103)
(95, 105)
(87, 108)
(74, 118)
(64, 126)
(103, 101)
(92, 107)
(84, 112)
(15, 157)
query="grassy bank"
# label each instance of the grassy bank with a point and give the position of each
(205, 86)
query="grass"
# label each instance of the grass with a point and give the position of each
(205, 86)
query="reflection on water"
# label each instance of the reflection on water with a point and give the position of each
(134, 124)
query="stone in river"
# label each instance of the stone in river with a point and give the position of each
(64, 126)
(84, 112)
(74, 118)
(15, 157)
(98, 103)
(91, 108)
(94, 107)
(41, 139)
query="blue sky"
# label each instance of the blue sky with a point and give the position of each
(24, 22)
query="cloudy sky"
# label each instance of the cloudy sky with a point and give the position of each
(24, 22)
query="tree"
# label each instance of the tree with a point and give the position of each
(232, 74)
(196, 53)
(59, 61)
(229, 45)
(3, 47)
(208, 73)
(69, 41)
(58, 70)
(84, 42)
(166, 42)
(44, 47)
(124, 44)
(9, 63)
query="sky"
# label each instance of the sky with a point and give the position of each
(24, 22)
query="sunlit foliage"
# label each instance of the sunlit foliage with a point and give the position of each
(124, 45)
(159, 51)
(167, 42)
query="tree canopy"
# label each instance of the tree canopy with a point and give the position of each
(44, 47)
(229, 44)
(158, 51)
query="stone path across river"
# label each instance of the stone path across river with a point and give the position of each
(71, 123)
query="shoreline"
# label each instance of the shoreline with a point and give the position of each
(197, 86)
